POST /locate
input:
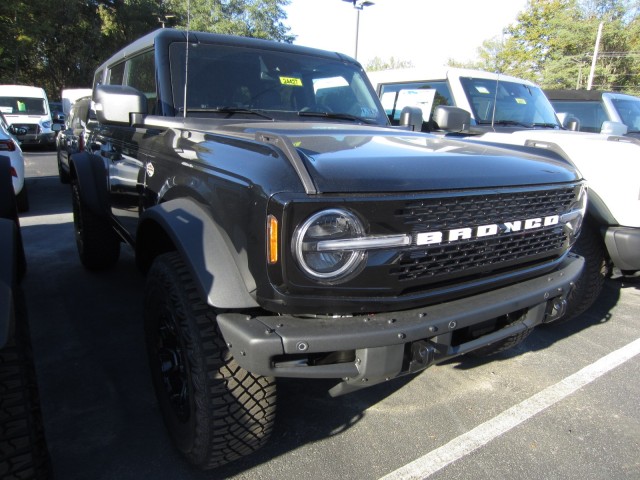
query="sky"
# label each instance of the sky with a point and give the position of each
(425, 32)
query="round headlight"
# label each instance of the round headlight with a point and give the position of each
(316, 245)
(46, 124)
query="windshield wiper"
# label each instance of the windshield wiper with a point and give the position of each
(545, 125)
(231, 110)
(341, 116)
(512, 122)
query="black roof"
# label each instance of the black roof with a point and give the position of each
(167, 35)
(574, 94)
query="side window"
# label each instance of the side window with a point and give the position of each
(116, 74)
(141, 75)
(97, 78)
(590, 114)
(425, 95)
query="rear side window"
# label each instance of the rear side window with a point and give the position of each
(138, 72)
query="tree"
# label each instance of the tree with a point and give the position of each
(248, 18)
(378, 63)
(552, 44)
(58, 44)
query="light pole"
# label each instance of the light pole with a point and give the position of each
(358, 5)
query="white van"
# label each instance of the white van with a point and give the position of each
(28, 108)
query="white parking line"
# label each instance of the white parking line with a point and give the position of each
(463, 445)
(52, 219)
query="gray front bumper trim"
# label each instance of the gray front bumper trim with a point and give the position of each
(623, 245)
(256, 342)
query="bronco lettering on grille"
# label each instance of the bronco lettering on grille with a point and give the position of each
(467, 233)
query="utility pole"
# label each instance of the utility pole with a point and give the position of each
(595, 57)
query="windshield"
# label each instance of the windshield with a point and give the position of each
(227, 80)
(514, 103)
(629, 111)
(22, 105)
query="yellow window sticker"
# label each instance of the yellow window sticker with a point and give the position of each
(521, 101)
(291, 81)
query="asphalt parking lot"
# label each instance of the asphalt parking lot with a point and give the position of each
(564, 404)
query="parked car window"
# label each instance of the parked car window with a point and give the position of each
(97, 78)
(590, 114)
(26, 105)
(629, 111)
(116, 74)
(507, 102)
(141, 75)
(427, 95)
(282, 83)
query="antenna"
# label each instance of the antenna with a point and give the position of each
(186, 62)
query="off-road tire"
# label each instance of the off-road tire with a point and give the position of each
(23, 449)
(215, 411)
(98, 244)
(589, 245)
(64, 176)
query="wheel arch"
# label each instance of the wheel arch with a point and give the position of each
(597, 210)
(185, 226)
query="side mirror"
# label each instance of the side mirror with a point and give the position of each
(568, 121)
(117, 103)
(411, 117)
(451, 119)
(56, 127)
(614, 128)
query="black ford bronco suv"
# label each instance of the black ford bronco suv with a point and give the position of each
(287, 230)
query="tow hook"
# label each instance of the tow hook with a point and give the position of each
(556, 308)
(422, 355)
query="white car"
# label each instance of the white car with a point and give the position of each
(10, 147)
(509, 111)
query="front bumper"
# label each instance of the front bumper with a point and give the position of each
(279, 345)
(623, 245)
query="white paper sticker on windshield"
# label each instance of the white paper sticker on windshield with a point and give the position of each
(482, 89)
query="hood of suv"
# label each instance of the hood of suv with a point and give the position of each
(374, 159)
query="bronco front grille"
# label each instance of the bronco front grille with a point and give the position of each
(481, 255)
(454, 212)
(437, 259)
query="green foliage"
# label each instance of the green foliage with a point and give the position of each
(248, 18)
(552, 43)
(378, 63)
(58, 44)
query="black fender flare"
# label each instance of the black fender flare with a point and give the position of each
(89, 171)
(205, 248)
(8, 275)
